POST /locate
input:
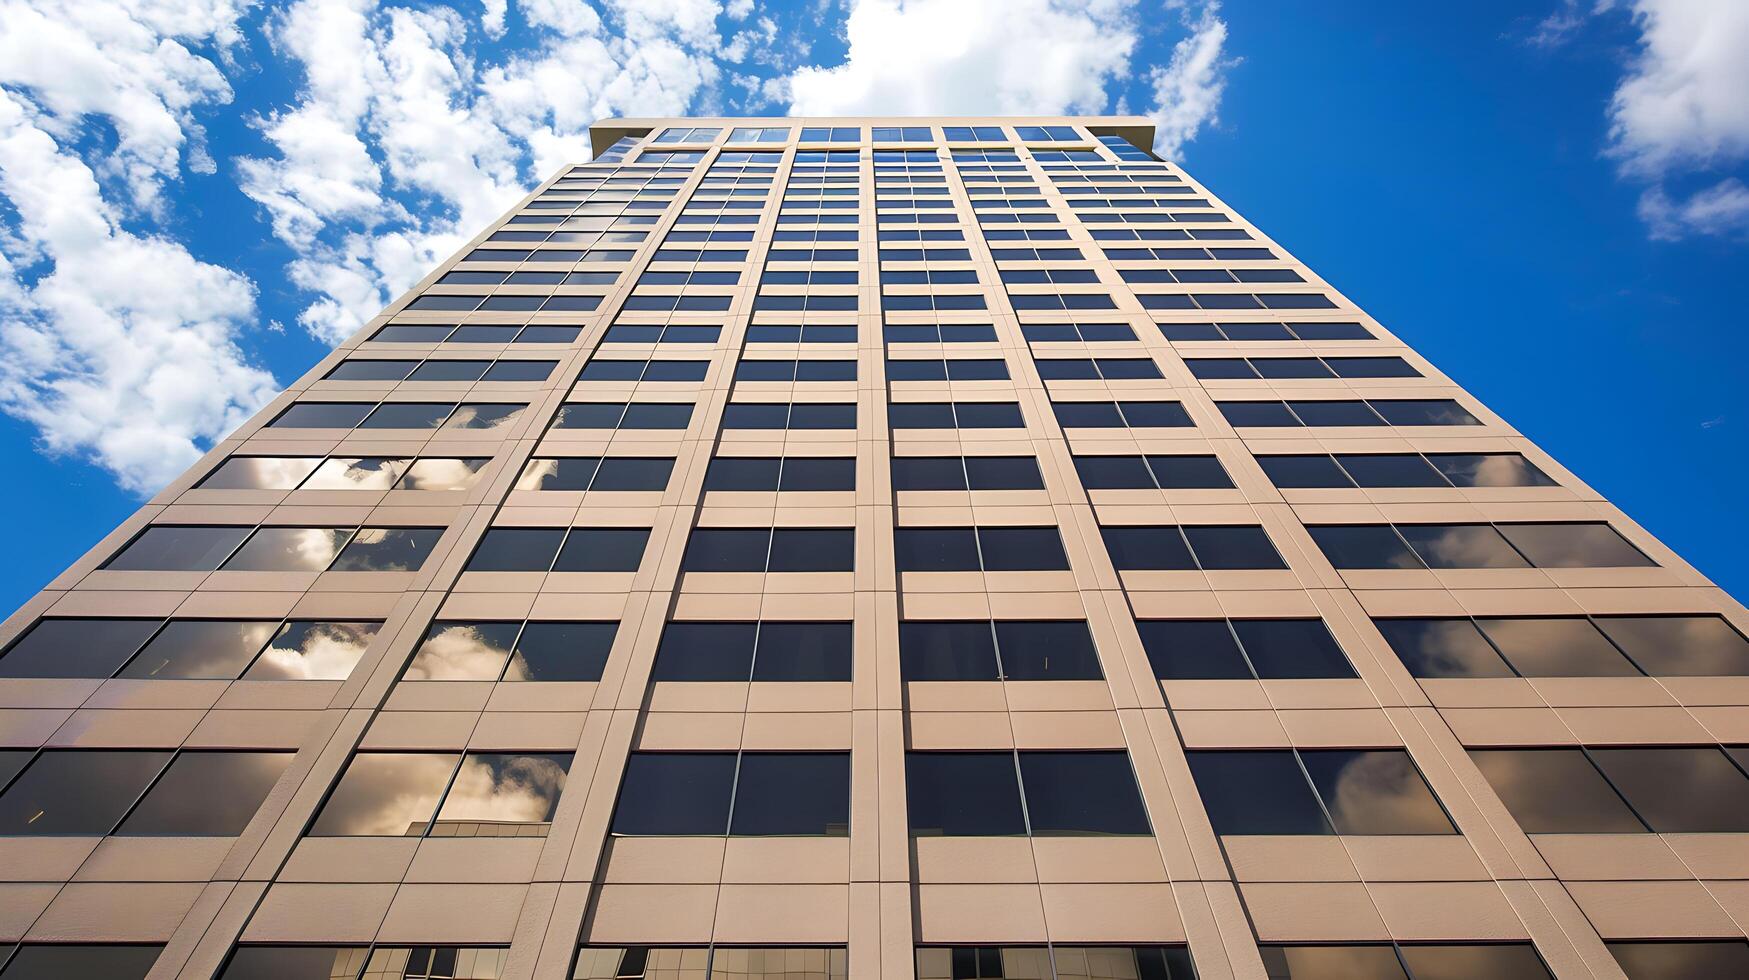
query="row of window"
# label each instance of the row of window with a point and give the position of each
(1178, 649)
(344, 473)
(1346, 470)
(1724, 959)
(206, 547)
(372, 369)
(1435, 546)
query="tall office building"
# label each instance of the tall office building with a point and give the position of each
(856, 548)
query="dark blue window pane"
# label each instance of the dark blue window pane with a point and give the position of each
(792, 794)
(705, 652)
(1044, 650)
(1081, 794)
(1256, 793)
(602, 549)
(963, 794)
(1192, 649)
(675, 794)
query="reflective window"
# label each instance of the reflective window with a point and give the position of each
(534, 651)
(1442, 648)
(1573, 546)
(321, 415)
(1324, 791)
(66, 961)
(955, 415)
(717, 549)
(616, 415)
(1070, 962)
(373, 473)
(774, 794)
(1672, 646)
(1419, 961)
(1555, 791)
(1679, 790)
(1210, 547)
(595, 473)
(178, 548)
(482, 416)
(992, 549)
(75, 647)
(206, 794)
(1404, 470)
(978, 794)
(1715, 959)
(1019, 650)
(1151, 472)
(765, 651)
(772, 473)
(77, 792)
(966, 473)
(1106, 415)
(1580, 545)
(1267, 649)
(411, 415)
(396, 794)
(362, 963)
(313, 651)
(700, 963)
(540, 549)
(289, 549)
(201, 648)
(602, 549)
(442, 474)
(260, 473)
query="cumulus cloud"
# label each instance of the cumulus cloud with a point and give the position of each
(1680, 116)
(1013, 57)
(403, 142)
(118, 345)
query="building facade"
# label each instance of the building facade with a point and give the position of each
(825, 548)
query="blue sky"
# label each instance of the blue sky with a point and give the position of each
(1546, 198)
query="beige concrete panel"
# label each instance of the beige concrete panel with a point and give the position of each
(263, 729)
(1188, 696)
(1610, 857)
(960, 730)
(20, 905)
(1508, 726)
(1712, 855)
(468, 914)
(391, 730)
(1098, 860)
(1337, 728)
(664, 860)
(780, 914)
(115, 911)
(786, 860)
(475, 860)
(40, 693)
(439, 696)
(979, 913)
(1095, 913)
(1481, 692)
(1632, 726)
(1230, 729)
(1664, 909)
(1039, 696)
(95, 728)
(350, 859)
(1285, 912)
(1432, 857)
(796, 730)
(1446, 911)
(1582, 692)
(243, 695)
(154, 859)
(527, 731)
(43, 858)
(973, 860)
(1066, 729)
(1305, 858)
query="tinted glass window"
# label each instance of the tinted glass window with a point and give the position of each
(705, 652)
(1256, 793)
(313, 651)
(1666, 645)
(1192, 649)
(179, 547)
(947, 651)
(1430, 412)
(1374, 792)
(195, 648)
(1243, 414)
(1574, 546)
(260, 473)
(725, 549)
(1390, 470)
(675, 793)
(1555, 791)
(1070, 794)
(1145, 415)
(805, 651)
(289, 549)
(388, 549)
(1021, 548)
(792, 794)
(385, 794)
(1147, 548)
(1461, 546)
(499, 788)
(69, 962)
(1442, 648)
(1297, 472)
(963, 794)
(1332, 963)
(415, 415)
(481, 416)
(1042, 650)
(321, 415)
(1704, 960)
(1291, 648)
(1497, 961)
(1225, 546)
(1489, 470)
(1332, 413)
(76, 792)
(602, 549)
(813, 549)
(1003, 473)
(561, 652)
(936, 549)
(1087, 415)
(1556, 647)
(463, 652)
(1363, 546)
(1680, 790)
(75, 647)
(207, 794)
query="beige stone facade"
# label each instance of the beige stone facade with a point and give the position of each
(521, 893)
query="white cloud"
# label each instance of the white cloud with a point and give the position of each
(1011, 57)
(947, 57)
(404, 143)
(1721, 210)
(1187, 90)
(492, 17)
(1685, 100)
(119, 346)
